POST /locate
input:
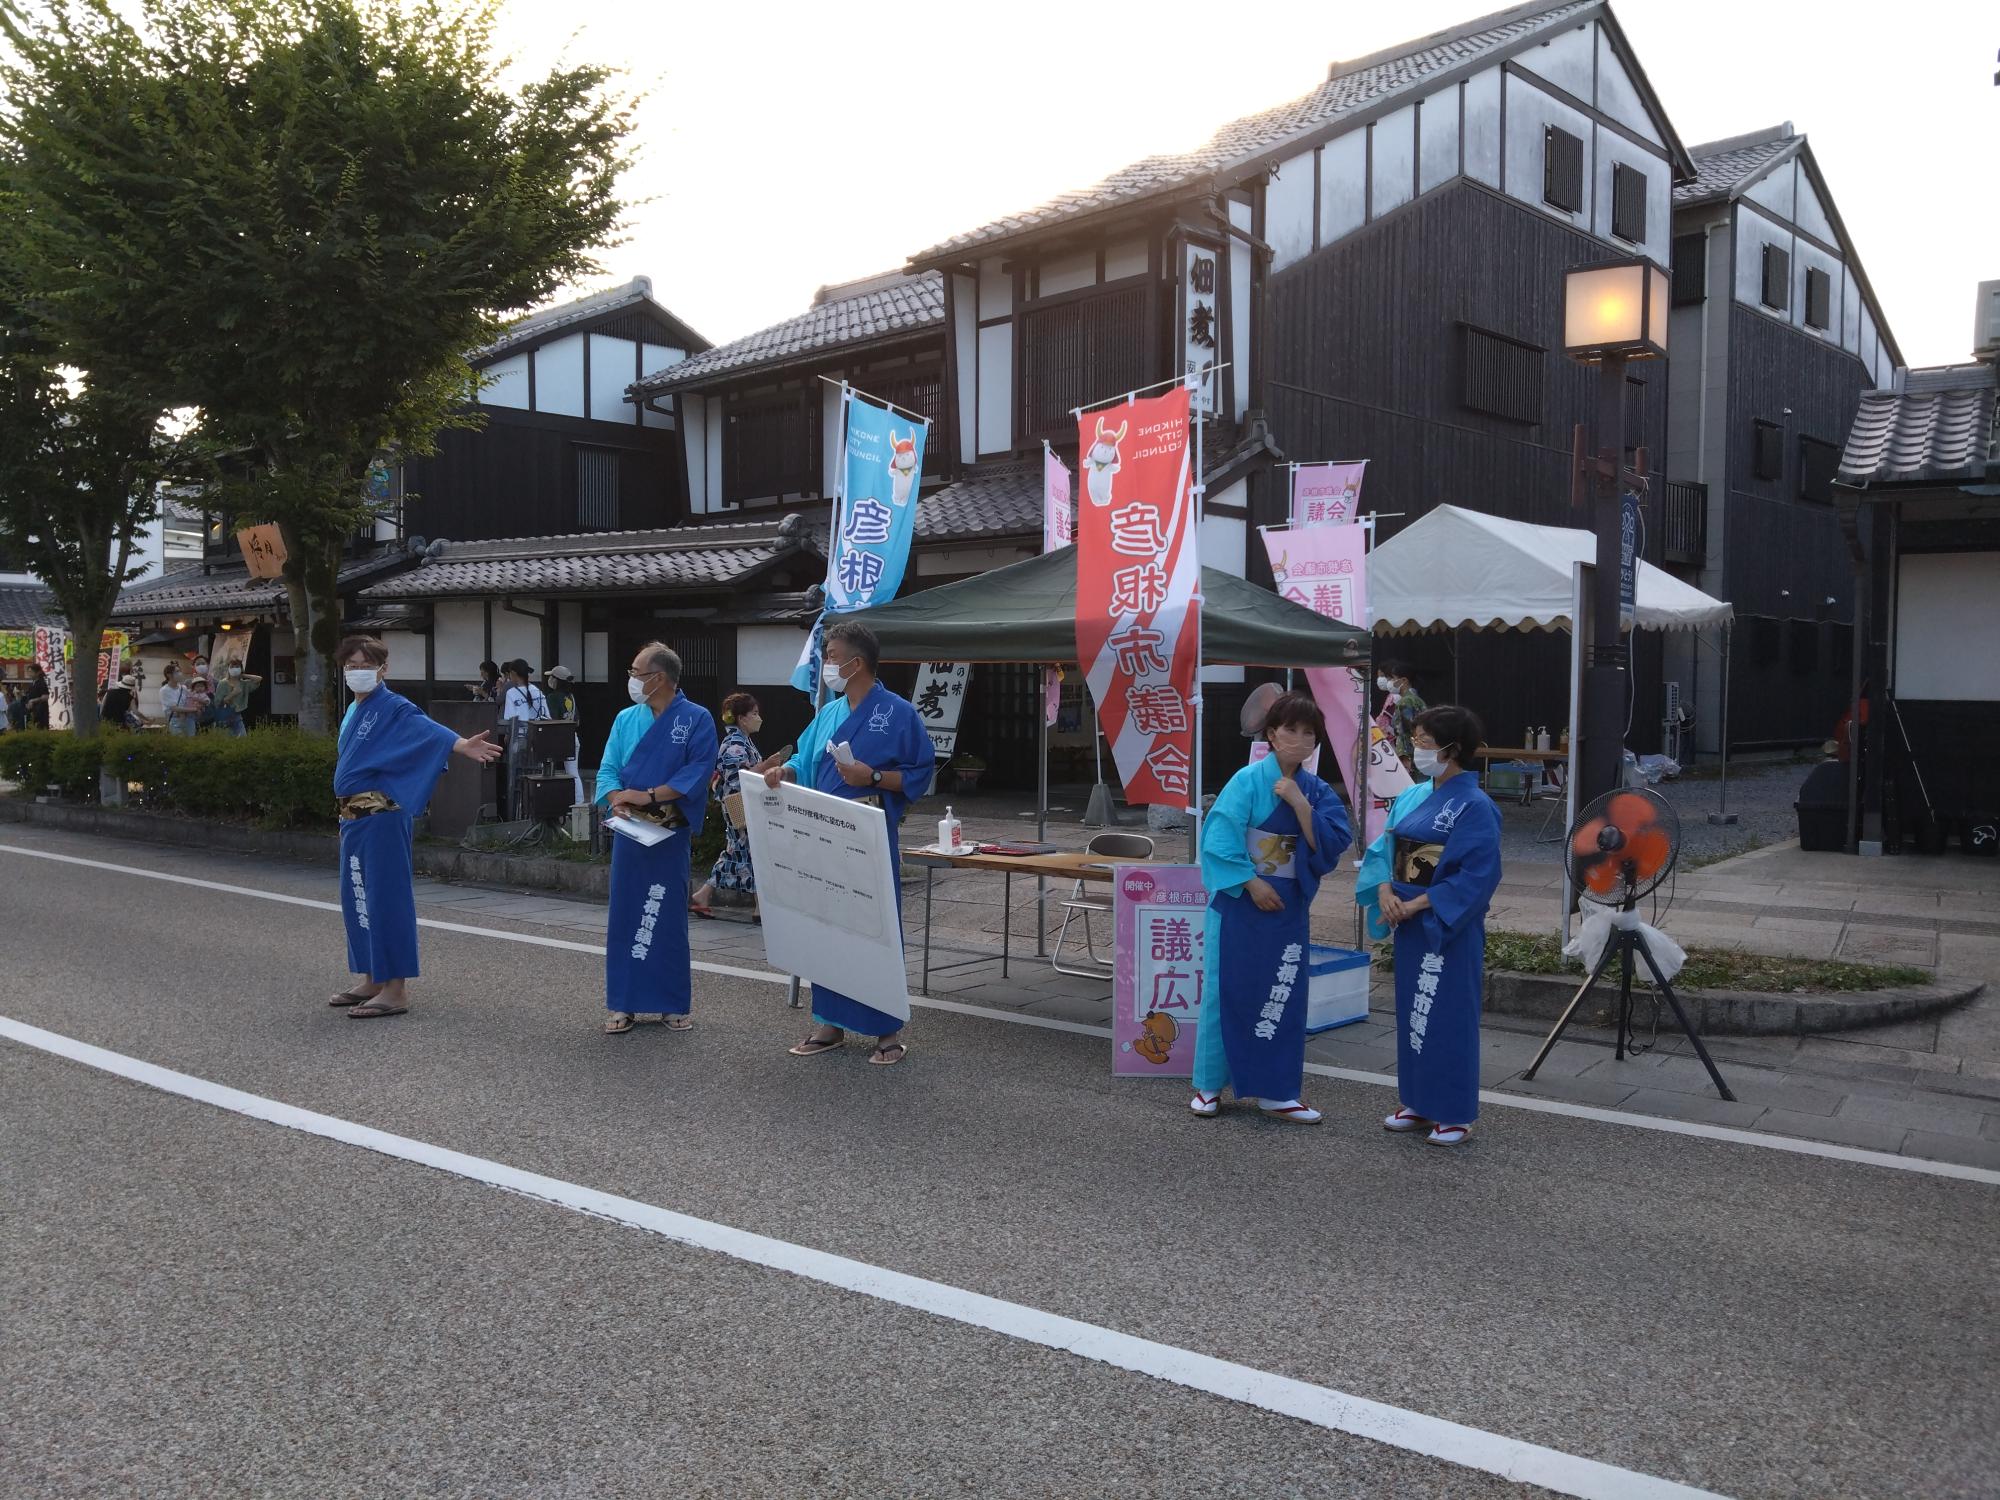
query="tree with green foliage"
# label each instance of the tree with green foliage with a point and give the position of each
(298, 218)
(80, 471)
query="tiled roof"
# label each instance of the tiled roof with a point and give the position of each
(638, 292)
(886, 307)
(616, 562)
(1938, 429)
(1003, 501)
(1725, 168)
(228, 589)
(24, 606)
(1411, 68)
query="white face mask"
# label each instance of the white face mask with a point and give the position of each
(362, 679)
(1429, 762)
(1385, 685)
(636, 686)
(830, 675)
(235, 671)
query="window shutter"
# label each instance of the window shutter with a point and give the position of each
(1690, 269)
(1562, 170)
(1768, 454)
(597, 489)
(1777, 278)
(1503, 376)
(1628, 203)
(1818, 463)
(1819, 299)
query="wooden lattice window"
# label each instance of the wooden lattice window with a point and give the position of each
(1562, 170)
(1503, 376)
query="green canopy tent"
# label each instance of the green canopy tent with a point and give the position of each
(1027, 613)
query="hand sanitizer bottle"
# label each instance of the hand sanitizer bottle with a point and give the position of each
(950, 838)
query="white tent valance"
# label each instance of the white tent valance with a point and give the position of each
(1456, 567)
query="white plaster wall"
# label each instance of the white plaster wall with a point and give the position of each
(1753, 233)
(1885, 369)
(1529, 113)
(1125, 258)
(1775, 191)
(1614, 150)
(1222, 542)
(507, 383)
(1617, 96)
(1808, 213)
(712, 440)
(694, 441)
(658, 357)
(1288, 210)
(1482, 127)
(559, 377)
(1394, 178)
(996, 388)
(1566, 60)
(766, 654)
(1437, 124)
(612, 366)
(996, 290)
(1850, 314)
(1068, 273)
(1343, 185)
(1870, 342)
(1238, 314)
(459, 633)
(517, 635)
(965, 349)
(596, 656)
(1803, 256)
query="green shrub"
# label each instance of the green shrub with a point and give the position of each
(278, 777)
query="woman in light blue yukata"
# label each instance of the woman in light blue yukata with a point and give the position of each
(1274, 833)
(1430, 878)
(655, 771)
(892, 761)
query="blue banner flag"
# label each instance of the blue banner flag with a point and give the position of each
(873, 519)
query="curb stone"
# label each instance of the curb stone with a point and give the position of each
(1735, 1012)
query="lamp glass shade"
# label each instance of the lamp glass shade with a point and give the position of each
(1615, 309)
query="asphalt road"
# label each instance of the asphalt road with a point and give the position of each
(194, 1303)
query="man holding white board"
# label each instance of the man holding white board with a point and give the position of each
(865, 744)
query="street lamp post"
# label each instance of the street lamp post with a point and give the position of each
(1613, 312)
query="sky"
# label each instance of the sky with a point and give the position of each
(784, 146)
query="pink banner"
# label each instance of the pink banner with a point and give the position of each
(1058, 512)
(1325, 568)
(1156, 999)
(1325, 493)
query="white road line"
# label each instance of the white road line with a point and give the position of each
(1763, 1140)
(1322, 1406)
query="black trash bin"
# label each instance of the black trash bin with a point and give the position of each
(1822, 808)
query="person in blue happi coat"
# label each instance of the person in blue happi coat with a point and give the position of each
(892, 763)
(655, 771)
(391, 756)
(1274, 833)
(1430, 878)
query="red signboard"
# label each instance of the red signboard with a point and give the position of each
(1137, 603)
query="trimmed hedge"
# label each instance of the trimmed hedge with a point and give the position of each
(278, 777)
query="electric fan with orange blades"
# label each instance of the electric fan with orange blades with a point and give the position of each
(1623, 845)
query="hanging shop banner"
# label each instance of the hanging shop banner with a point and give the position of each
(1325, 493)
(1137, 606)
(939, 697)
(52, 651)
(1058, 503)
(263, 551)
(1325, 568)
(1628, 558)
(874, 515)
(1201, 323)
(1158, 911)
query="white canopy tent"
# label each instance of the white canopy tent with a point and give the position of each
(1457, 568)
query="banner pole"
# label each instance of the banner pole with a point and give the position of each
(1200, 608)
(1367, 737)
(1132, 395)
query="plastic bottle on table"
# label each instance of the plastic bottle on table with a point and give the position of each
(950, 836)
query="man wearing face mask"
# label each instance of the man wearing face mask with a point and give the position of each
(1274, 833)
(391, 756)
(656, 769)
(889, 759)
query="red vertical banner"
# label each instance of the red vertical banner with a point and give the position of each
(1136, 599)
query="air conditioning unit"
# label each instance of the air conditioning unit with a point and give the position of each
(1986, 322)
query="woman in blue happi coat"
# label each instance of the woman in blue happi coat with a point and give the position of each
(655, 770)
(1430, 878)
(892, 763)
(1274, 833)
(391, 756)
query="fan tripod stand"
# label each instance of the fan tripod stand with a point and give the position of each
(1626, 943)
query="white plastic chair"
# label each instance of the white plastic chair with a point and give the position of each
(1115, 846)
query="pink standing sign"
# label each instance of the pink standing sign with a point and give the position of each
(1158, 911)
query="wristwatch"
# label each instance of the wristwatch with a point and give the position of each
(874, 778)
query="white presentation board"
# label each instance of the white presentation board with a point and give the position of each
(827, 892)
(1948, 627)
